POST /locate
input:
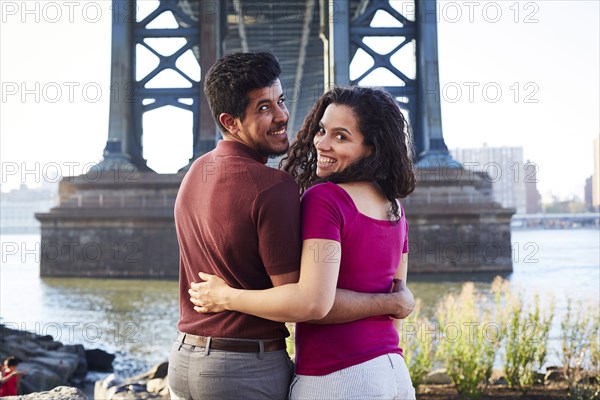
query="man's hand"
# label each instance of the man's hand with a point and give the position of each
(210, 296)
(404, 298)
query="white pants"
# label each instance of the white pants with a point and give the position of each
(385, 377)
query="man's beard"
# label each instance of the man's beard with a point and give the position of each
(270, 153)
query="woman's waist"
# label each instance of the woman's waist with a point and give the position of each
(323, 351)
(360, 336)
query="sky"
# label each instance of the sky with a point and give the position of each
(512, 73)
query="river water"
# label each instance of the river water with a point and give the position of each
(136, 319)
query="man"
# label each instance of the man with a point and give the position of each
(239, 219)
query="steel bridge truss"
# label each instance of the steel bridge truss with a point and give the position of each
(346, 29)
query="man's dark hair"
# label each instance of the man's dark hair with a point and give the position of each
(12, 361)
(229, 80)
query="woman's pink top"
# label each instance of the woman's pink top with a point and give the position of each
(371, 254)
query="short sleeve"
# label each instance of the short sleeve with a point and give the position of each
(321, 213)
(277, 217)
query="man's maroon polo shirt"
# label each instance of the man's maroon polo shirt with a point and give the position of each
(239, 219)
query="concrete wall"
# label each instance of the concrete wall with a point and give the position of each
(127, 230)
(123, 248)
(112, 228)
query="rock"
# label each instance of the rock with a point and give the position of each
(19, 347)
(124, 391)
(165, 393)
(554, 374)
(46, 370)
(499, 381)
(159, 371)
(47, 342)
(156, 385)
(438, 377)
(101, 389)
(61, 363)
(138, 387)
(38, 378)
(58, 393)
(539, 378)
(589, 378)
(77, 349)
(111, 381)
(497, 377)
(99, 360)
(152, 384)
(47, 363)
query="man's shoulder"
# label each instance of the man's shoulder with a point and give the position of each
(203, 159)
(266, 177)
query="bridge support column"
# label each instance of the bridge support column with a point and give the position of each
(117, 220)
(123, 149)
(454, 224)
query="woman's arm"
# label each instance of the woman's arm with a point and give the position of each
(311, 298)
(351, 306)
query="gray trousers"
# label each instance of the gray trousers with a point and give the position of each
(207, 374)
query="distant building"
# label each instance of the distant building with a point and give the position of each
(17, 208)
(533, 200)
(588, 195)
(596, 176)
(506, 170)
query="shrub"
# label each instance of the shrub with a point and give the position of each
(580, 354)
(526, 343)
(469, 353)
(417, 343)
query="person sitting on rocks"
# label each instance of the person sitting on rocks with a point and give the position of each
(10, 377)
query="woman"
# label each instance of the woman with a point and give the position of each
(352, 161)
(9, 377)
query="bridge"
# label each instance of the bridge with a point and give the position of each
(320, 43)
(556, 221)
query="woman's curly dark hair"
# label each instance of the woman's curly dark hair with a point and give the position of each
(385, 130)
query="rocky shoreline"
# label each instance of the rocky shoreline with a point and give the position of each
(149, 385)
(55, 370)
